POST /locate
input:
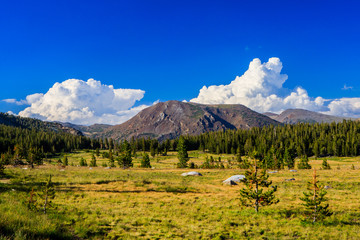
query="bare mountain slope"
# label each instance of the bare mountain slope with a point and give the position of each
(173, 118)
(300, 115)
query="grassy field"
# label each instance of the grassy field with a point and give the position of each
(158, 203)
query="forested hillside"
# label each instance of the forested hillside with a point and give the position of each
(278, 146)
(18, 143)
(35, 124)
(275, 146)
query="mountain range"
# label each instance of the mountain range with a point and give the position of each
(293, 116)
(173, 118)
(169, 120)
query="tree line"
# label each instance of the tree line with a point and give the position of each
(276, 146)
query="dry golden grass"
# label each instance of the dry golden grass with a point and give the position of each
(159, 203)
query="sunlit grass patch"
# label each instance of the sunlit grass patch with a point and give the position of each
(100, 203)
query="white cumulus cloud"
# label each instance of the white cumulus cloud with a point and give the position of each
(347, 107)
(84, 102)
(261, 89)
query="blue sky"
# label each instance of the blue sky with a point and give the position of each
(171, 49)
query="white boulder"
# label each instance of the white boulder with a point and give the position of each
(235, 178)
(191, 174)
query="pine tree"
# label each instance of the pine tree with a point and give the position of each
(288, 160)
(31, 203)
(238, 156)
(314, 201)
(65, 161)
(253, 194)
(47, 194)
(83, 162)
(182, 153)
(125, 160)
(304, 163)
(152, 149)
(2, 167)
(145, 161)
(325, 165)
(93, 161)
(111, 160)
(97, 152)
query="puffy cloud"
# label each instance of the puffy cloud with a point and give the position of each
(347, 107)
(261, 89)
(81, 102)
(11, 113)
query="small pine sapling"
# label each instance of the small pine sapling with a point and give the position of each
(83, 162)
(47, 194)
(93, 161)
(31, 203)
(145, 161)
(97, 152)
(314, 201)
(253, 195)
(304, 163)
(65, 161)
(325, 165)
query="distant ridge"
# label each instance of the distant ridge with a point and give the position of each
(36, 124)
(293, 116)
(168, 120)
(93, 131)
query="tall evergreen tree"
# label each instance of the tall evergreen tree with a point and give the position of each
(125, 159)
(288, 160)
(2, 167)
(314, 200)
(253, 195)
(182, 153)
(111, 159)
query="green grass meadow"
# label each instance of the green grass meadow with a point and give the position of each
(158, 203)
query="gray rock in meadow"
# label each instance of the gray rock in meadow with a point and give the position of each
(293, 170)
(291, 179)
(235, 178)
(108, 168)
(327, 187)
(90, 168)
(191, 174)
(231, 183)
(273, 171)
